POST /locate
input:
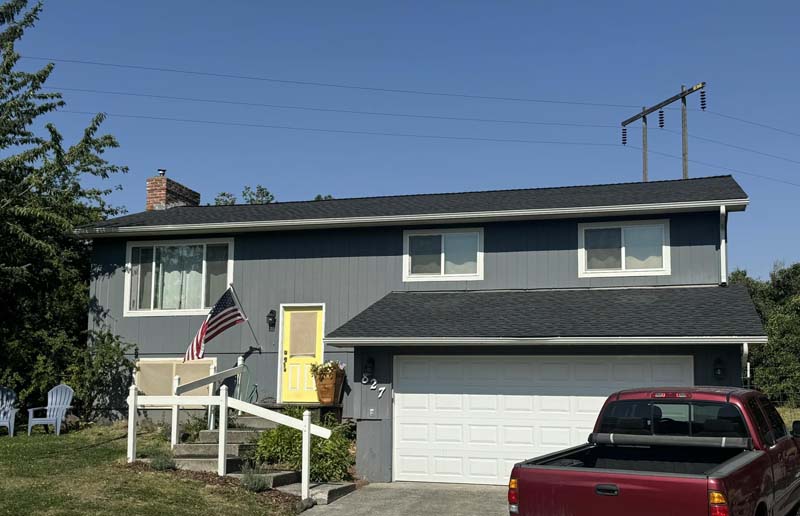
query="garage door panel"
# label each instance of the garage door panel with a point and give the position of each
(469, 426)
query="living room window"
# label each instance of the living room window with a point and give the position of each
(177, 277)
(442, 255)
(638, 248)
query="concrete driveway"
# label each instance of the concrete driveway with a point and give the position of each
(418, 499)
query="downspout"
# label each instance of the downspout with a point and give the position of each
(746, 363)
(723, 245)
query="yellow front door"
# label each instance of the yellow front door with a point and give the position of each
(302, 347)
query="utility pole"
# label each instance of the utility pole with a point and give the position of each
(684, 135)
(660, 108)
(644, 144)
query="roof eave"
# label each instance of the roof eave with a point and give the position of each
(438, 218)
(350, 342)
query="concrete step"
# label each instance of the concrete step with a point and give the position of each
(275, 478)
(211, 449)
(235, 436)
(208, 464)
(321, 494)
(254, 423)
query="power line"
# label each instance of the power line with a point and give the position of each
(331, 110)
(343, 131)
(322, 84)
(738, 147)
(750, 122)
(721, 167)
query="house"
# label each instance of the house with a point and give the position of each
(478, 328)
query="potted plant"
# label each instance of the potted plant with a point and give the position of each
(329, 377)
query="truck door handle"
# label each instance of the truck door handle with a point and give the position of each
(606, 489)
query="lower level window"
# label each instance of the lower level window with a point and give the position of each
(154, 375)
(178, 276)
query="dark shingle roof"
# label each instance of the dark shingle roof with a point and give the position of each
(701, 189)
(645, 312)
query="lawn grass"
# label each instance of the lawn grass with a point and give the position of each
(84, 473)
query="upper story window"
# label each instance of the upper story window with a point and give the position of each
(638, 248)
(442, 255)
(177, 277)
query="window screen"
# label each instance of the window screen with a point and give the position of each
(426, 254)
(603, 248)
(303, 334)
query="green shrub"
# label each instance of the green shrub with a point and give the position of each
(252, 481)
(191, 429)
(331, 459)
(101, 373)
(162, 461)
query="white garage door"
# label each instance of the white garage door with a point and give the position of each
(469, 419)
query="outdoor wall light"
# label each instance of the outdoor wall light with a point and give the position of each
(719, 369)
(272, 320)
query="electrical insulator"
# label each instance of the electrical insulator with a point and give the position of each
(703, 100)
(661, 118)
(624, 136)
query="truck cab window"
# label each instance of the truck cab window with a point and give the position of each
(760, 421)
(701, 419)
(775, 419)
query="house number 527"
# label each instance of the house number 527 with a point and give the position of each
(374, 386)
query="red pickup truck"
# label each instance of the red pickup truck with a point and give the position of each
(699, 451)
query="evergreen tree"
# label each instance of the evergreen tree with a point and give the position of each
(44, 269)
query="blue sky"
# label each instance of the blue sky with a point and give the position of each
(625, 52)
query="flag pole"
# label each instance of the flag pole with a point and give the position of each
(246, 318)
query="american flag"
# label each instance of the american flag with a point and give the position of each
(225, 314)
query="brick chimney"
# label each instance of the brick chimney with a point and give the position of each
(163, 193)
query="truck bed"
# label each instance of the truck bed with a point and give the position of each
(653, 459)
(608, 480)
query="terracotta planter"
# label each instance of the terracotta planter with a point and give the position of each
(329, 388)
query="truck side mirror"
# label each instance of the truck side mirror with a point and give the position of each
(796, 428)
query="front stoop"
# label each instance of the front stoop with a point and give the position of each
(321, 494)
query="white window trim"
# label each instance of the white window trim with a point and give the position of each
(127, 312)
(211, 361)
(665, 270)
(282, 311)
(408, 277)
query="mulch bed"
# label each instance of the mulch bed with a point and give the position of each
(210, 479)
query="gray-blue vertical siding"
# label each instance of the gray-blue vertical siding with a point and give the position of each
(349, 269)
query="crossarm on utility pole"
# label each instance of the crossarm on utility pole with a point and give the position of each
(682, 94)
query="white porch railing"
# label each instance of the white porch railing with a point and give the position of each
(135, 402)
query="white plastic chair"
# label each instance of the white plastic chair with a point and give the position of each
(8, 413)
(58, 403)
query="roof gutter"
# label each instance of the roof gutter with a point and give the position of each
(350, 342)
(435, 218)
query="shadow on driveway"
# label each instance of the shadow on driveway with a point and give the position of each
(419, 499)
